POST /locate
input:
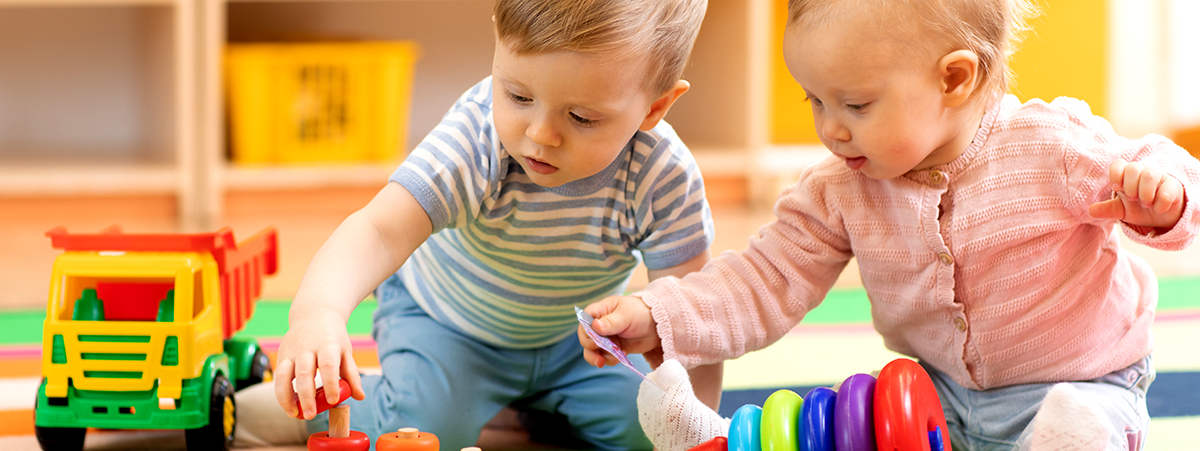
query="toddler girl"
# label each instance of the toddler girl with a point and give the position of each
(986, 233)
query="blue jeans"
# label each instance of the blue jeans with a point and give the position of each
(442, 381)
(1001, 418)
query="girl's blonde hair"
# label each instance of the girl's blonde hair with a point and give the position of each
(662, 30)
(990, 28)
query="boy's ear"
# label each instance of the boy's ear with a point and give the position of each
(959, 72)
(659, 108)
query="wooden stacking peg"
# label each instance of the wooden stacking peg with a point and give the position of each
(339, 437)
(339, 421)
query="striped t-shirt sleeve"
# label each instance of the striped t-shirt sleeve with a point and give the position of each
(450, 171)
(673, 216)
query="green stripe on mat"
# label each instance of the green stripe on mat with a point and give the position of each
(841, 306)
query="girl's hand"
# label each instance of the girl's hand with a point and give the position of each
(627, 322)
(316, 341)
(1144, 196)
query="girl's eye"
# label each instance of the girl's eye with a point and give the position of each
(815, 101)
(519, 99)
(582, 120)
(856, 106)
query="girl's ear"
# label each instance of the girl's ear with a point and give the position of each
(659, 108)
(959, 72)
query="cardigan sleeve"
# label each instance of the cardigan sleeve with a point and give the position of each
(744, 301)
(1092, 146)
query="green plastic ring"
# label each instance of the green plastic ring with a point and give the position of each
(781, 421)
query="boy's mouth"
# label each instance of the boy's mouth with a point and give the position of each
(540, 167)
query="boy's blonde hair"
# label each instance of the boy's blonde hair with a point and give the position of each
(662, 30)
(990, 28)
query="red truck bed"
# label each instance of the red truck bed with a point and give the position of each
(241, 265)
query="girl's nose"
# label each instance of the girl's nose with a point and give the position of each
(833, 130)
(540, 131)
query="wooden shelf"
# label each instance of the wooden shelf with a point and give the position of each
(98, 99)
(39, 180)
(238, 178)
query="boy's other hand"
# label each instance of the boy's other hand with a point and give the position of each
(316, 343)
(627, 322)
(1143, 196)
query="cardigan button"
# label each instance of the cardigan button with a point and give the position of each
(946, 259)
(960, 323)
(937, 177)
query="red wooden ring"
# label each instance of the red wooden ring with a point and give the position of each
(321, 441)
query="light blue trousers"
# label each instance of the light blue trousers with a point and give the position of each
(440, 380)
(1000, 419)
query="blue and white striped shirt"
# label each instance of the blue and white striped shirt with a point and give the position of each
(509, 259)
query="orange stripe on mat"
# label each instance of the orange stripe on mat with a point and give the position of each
(24, 367)
(16, 422)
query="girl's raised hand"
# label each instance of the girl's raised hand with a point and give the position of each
(627, 322)
(1143, 196)
(316, 341)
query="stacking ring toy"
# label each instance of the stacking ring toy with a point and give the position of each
(781, 421)
(854, 414)
(407, 439)
(321, 441)
(816, 417)
(322, 403)
(744, 428)
(908, 414)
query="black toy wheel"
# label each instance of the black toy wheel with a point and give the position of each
(56, 439)
(260, 370)
(222, 419)
(60, 439)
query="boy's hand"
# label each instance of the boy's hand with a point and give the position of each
(316, 341)
(1145, 197)
(627, 322)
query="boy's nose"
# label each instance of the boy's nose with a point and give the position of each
(542, 133)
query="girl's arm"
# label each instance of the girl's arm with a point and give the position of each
(367, 248)
(706, 379)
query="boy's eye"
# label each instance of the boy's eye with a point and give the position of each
(815, 101)
(519, 99)
(856, 106)
(582, 120)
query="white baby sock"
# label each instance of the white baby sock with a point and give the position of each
(672, 418)
(1070, 421)
(261, 422)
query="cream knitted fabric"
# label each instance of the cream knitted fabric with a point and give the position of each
(672, 418)
(1069, 421)
(261, 422)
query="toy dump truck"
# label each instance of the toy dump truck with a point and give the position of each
(139, 334)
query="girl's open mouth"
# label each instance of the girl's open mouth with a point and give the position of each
(856, 162)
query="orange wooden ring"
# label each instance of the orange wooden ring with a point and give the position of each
(407, 439)
(321, 441)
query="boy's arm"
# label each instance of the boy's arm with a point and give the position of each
(706, 379)
(367, 248)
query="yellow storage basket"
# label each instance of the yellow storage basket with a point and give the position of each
(319, 102)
